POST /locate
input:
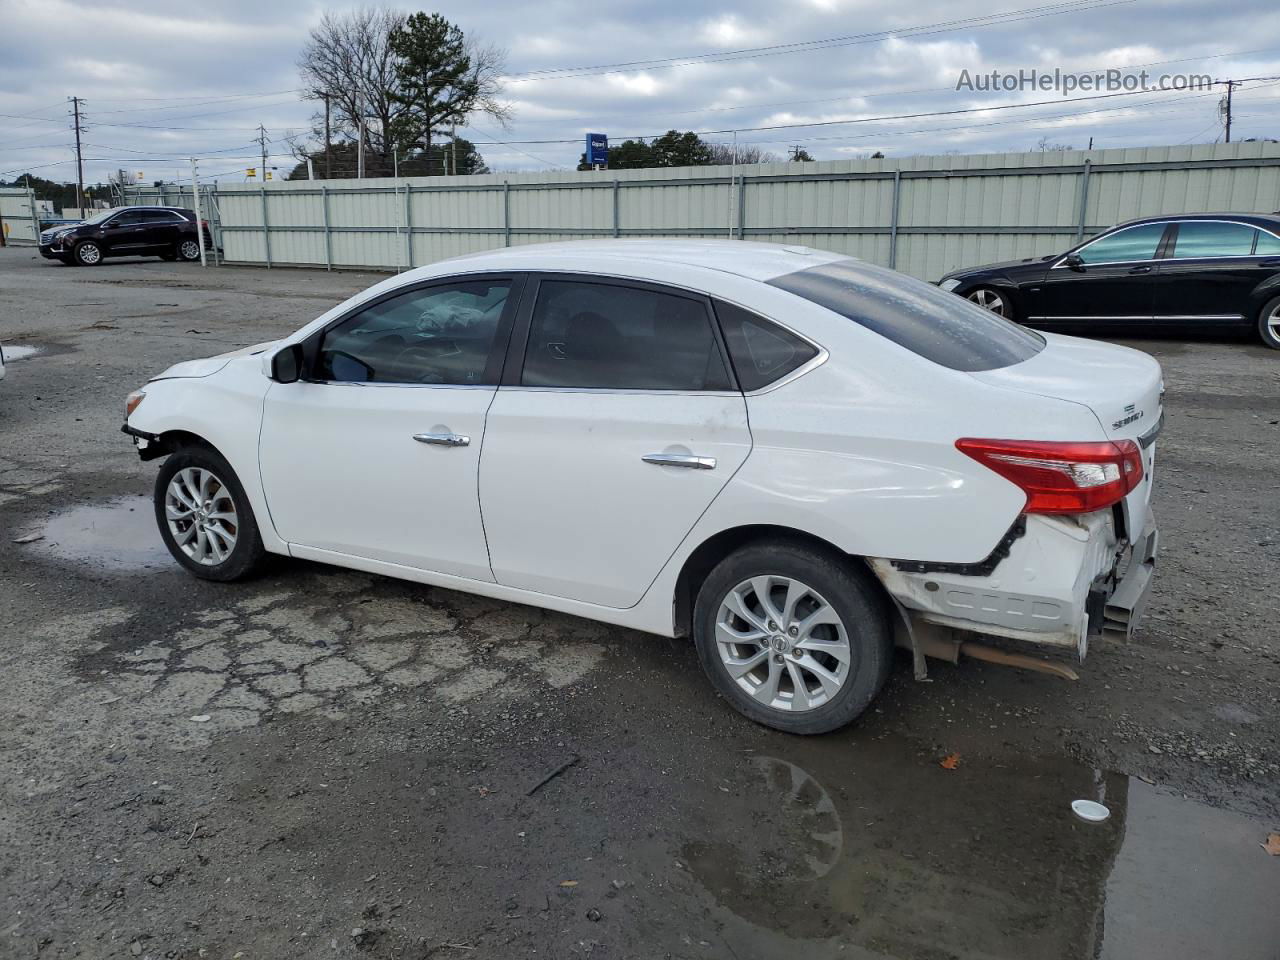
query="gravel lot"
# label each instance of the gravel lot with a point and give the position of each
(369, 781)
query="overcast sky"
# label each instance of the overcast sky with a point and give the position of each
(166, 79)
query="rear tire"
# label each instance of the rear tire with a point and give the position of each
(795, 638)
(188, 250)
(204, 516)
(87, 254)
(1269, 323)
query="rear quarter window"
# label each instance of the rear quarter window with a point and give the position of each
(936, 325)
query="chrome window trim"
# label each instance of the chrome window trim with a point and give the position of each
(1177, 220)
(628, 391)
(415, 386)
(1150, 316)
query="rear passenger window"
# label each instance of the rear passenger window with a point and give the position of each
(1268, 244)
(762, 352)
(1207, 238)
(611, 337)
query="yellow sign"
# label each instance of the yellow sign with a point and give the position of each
(251, 172)
(266, 175)
(140, 175)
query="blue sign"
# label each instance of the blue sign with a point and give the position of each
(597, 148)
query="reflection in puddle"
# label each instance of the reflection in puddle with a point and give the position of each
(883, 850)
(18, 352)
(120, 533)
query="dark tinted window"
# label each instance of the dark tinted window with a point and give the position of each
(1204, 238)
(161, 216)
(439, 334)
(761, 351)
(622, 338)
(939, 326)
(130, 218)
(1268, 244)
(1134, 243)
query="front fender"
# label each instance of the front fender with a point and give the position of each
(224, 409)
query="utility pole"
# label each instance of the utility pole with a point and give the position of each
(1231, 85)
(360, 152)
(328, 165)
(453, 147)
(262, 142)
(75, 106)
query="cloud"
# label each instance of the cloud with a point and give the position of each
(166, 79)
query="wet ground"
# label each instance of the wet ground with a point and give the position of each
(326, 764)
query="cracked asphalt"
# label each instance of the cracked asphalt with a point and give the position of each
(322, 763)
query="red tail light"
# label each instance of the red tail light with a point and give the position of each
(1062, 477)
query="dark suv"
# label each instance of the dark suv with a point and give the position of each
(166, 232)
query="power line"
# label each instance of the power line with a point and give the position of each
(929, 29)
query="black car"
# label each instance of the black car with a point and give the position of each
(170, 233)
(1199, 271)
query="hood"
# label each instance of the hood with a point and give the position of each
(208, 366)
(1002, 267)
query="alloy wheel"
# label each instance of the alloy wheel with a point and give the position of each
(89, 253)
(783, 643)
(988, 300)
(1273, 323)
(201, 515)
(189, 250)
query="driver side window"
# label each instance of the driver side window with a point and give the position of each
(441, 334)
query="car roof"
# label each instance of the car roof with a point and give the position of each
(1267, 220)
(757, 261)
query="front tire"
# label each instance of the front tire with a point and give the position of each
(204, 516)
(989, 298)
(87, 254)
(188, 250)
(1269, 323)
(794, 637)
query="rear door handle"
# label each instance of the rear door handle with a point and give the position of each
(680, 460)
(1140, 270)
(443, 439)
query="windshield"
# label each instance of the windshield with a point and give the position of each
(102, 215)
(938, 326)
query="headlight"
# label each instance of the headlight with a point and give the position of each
(949, 285)
(131, 402)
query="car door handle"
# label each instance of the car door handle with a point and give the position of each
(443, 439)
(680, 460)
(1140, 270)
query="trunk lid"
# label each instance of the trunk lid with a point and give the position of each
(1123, 388)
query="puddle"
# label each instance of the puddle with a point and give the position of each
(119, 534)
(883, 851)
(18, 351)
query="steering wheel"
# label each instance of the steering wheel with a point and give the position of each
(420, 357)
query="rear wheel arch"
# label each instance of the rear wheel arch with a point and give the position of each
(699, 564)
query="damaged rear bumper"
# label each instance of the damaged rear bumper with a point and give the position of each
(1064, 581)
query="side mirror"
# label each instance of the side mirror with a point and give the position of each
(1074, 261)
(286, 365)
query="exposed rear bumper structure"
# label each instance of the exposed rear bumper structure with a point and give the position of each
(1067, 580)
(1123, 606)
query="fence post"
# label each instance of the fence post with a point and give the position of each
(893, 220)
(328, 243)
(742, 204)
(1084, 199)
(506, 213)
(408, 226)
(617, 226)
(35, 217)
(266, 228)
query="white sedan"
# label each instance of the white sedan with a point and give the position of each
(791, 456)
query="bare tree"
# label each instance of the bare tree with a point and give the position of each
(488, 65)
(348, 56)
(723, 153)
